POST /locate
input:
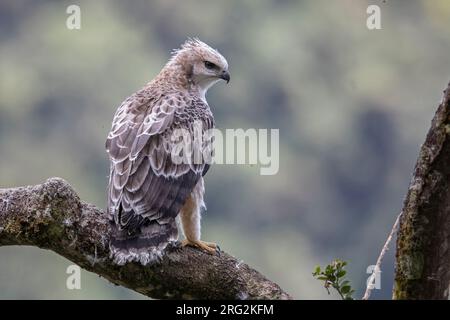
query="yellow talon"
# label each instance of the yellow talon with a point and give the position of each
(209, 247)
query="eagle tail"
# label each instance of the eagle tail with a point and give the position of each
(145, 245)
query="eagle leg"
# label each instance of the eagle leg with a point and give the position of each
(190, 221)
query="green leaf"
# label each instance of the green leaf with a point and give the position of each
(344, 283)
(329, 269)
(317, 270)
(333, 276)
(341, 273)
(346, 289)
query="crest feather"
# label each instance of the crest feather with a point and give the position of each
(189, 44)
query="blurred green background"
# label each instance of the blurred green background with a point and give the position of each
(352, 106)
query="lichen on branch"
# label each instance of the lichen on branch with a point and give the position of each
(52, 216)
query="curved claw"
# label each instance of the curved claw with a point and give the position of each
(209, 247)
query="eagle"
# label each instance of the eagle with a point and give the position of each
(150, 195)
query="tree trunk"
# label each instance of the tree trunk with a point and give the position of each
(423, 242)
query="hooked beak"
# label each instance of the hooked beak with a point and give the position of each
(225, 76)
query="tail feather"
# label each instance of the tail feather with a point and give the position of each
(145, 245)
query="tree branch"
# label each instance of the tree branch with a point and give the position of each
(51, 216)
(423, 243)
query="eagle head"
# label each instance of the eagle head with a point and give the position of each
(204, 66)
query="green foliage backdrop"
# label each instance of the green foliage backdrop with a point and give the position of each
(352, 105)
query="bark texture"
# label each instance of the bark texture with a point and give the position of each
(423, 242)
(51, 216)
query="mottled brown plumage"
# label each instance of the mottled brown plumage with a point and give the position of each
(147, 189)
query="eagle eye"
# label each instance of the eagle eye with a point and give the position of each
(210, 65)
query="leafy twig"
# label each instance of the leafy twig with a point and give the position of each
(333, 275)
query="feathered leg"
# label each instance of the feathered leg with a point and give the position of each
(190, 216)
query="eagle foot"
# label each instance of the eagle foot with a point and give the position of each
(209, 247)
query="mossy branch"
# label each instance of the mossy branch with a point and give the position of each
(52, 216)
(423, 244)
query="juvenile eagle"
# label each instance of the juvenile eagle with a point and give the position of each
(147, 189)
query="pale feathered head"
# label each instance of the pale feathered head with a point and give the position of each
(203, 64)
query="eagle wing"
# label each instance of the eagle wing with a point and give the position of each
(144, 182)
